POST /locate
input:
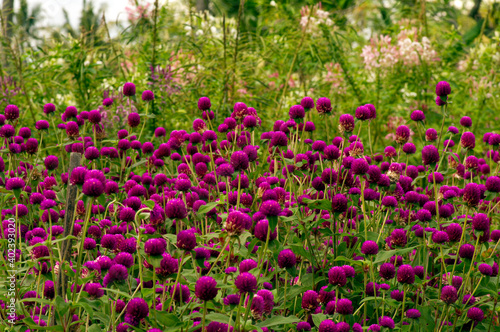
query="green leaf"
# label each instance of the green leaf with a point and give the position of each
(61, 306)
(94, 328)
(273, 222)
(204, 209)
(385, 255)
(279, 320)
(168, 320)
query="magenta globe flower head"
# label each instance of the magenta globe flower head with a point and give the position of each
(93, 188)
(346, 123)
(270, 208)
(430, 155)
(11, 112)
(485, 269)
(72, 129)
(107, 102)
(261, 231)
(324, 105)
(246, 283)
(327, 326)
(339, 203)
(413, 313)
(360, 166)
(307, 103)
(155, 247)
(387, 271)
(51, 162)
(389, 201)
(287, 259)
(42, 125)
(402, 134)
(303, 327)
(204, 104)
(129, 89)
(471, 194)
(466, 121)
(466, 251)
(475, 314)
(237, 222)
(443, 89)
(440, 237)
(137, 308)
(369, 248)
(310, 301)
(297, 112)
(239, 161)
(406, 274)
(49, 108)
(417, 115)
(186, 240)
(468, 140)
(362, 113)
(337, 276)
(134, 119)
(386, 321)
(449, 294)
(344, 307)
(480, 222)
(372, 110)
(206, 288)
(176, 209)
(431, 135)
(147, 95)
(95, 116)
(14, 184)
(493, 184)
(409, 148)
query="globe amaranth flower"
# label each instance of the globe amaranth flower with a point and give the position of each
(475, 314)
(237, 222)
(369, 248)
(93, 188)
(186, 240)
(344, 307)
(303, 327)
(51, 162)
(310, 301)
(413, 313)
(270, 208)
(430, 155)
(137, 308)
(337, 276)
(307, 103)
(14, 183)
(339, 203)
(129, 89)
(324, 105)
(176, 209)
(346, 123)
(359, 166)
(147, 95)
(409, 148)
(49, 108)
(327, 326)
(443, 89)
(42, 125)
(440, 237)
(362, 113)
(286, 259)
(480, 222)
(471, 194)
(402, 134)
(72, 129)
(386, 321)
(219, 327)
(134, 119)
(155, 247)
(387, 271)
(406, 274)
(468, 140)
(246, 283)
(297, 112)
(206, 288)
(449, 294)
(485, 269)
(417, 115)
(11, 112)
(261, 231)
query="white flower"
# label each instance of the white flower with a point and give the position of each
(273, 3)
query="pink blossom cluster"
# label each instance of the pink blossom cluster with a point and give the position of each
(334, 76)
(138, 10)
(315, 19)
(407, 50)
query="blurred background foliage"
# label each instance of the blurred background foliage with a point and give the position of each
(268, 54)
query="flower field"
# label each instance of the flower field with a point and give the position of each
(232, 175)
